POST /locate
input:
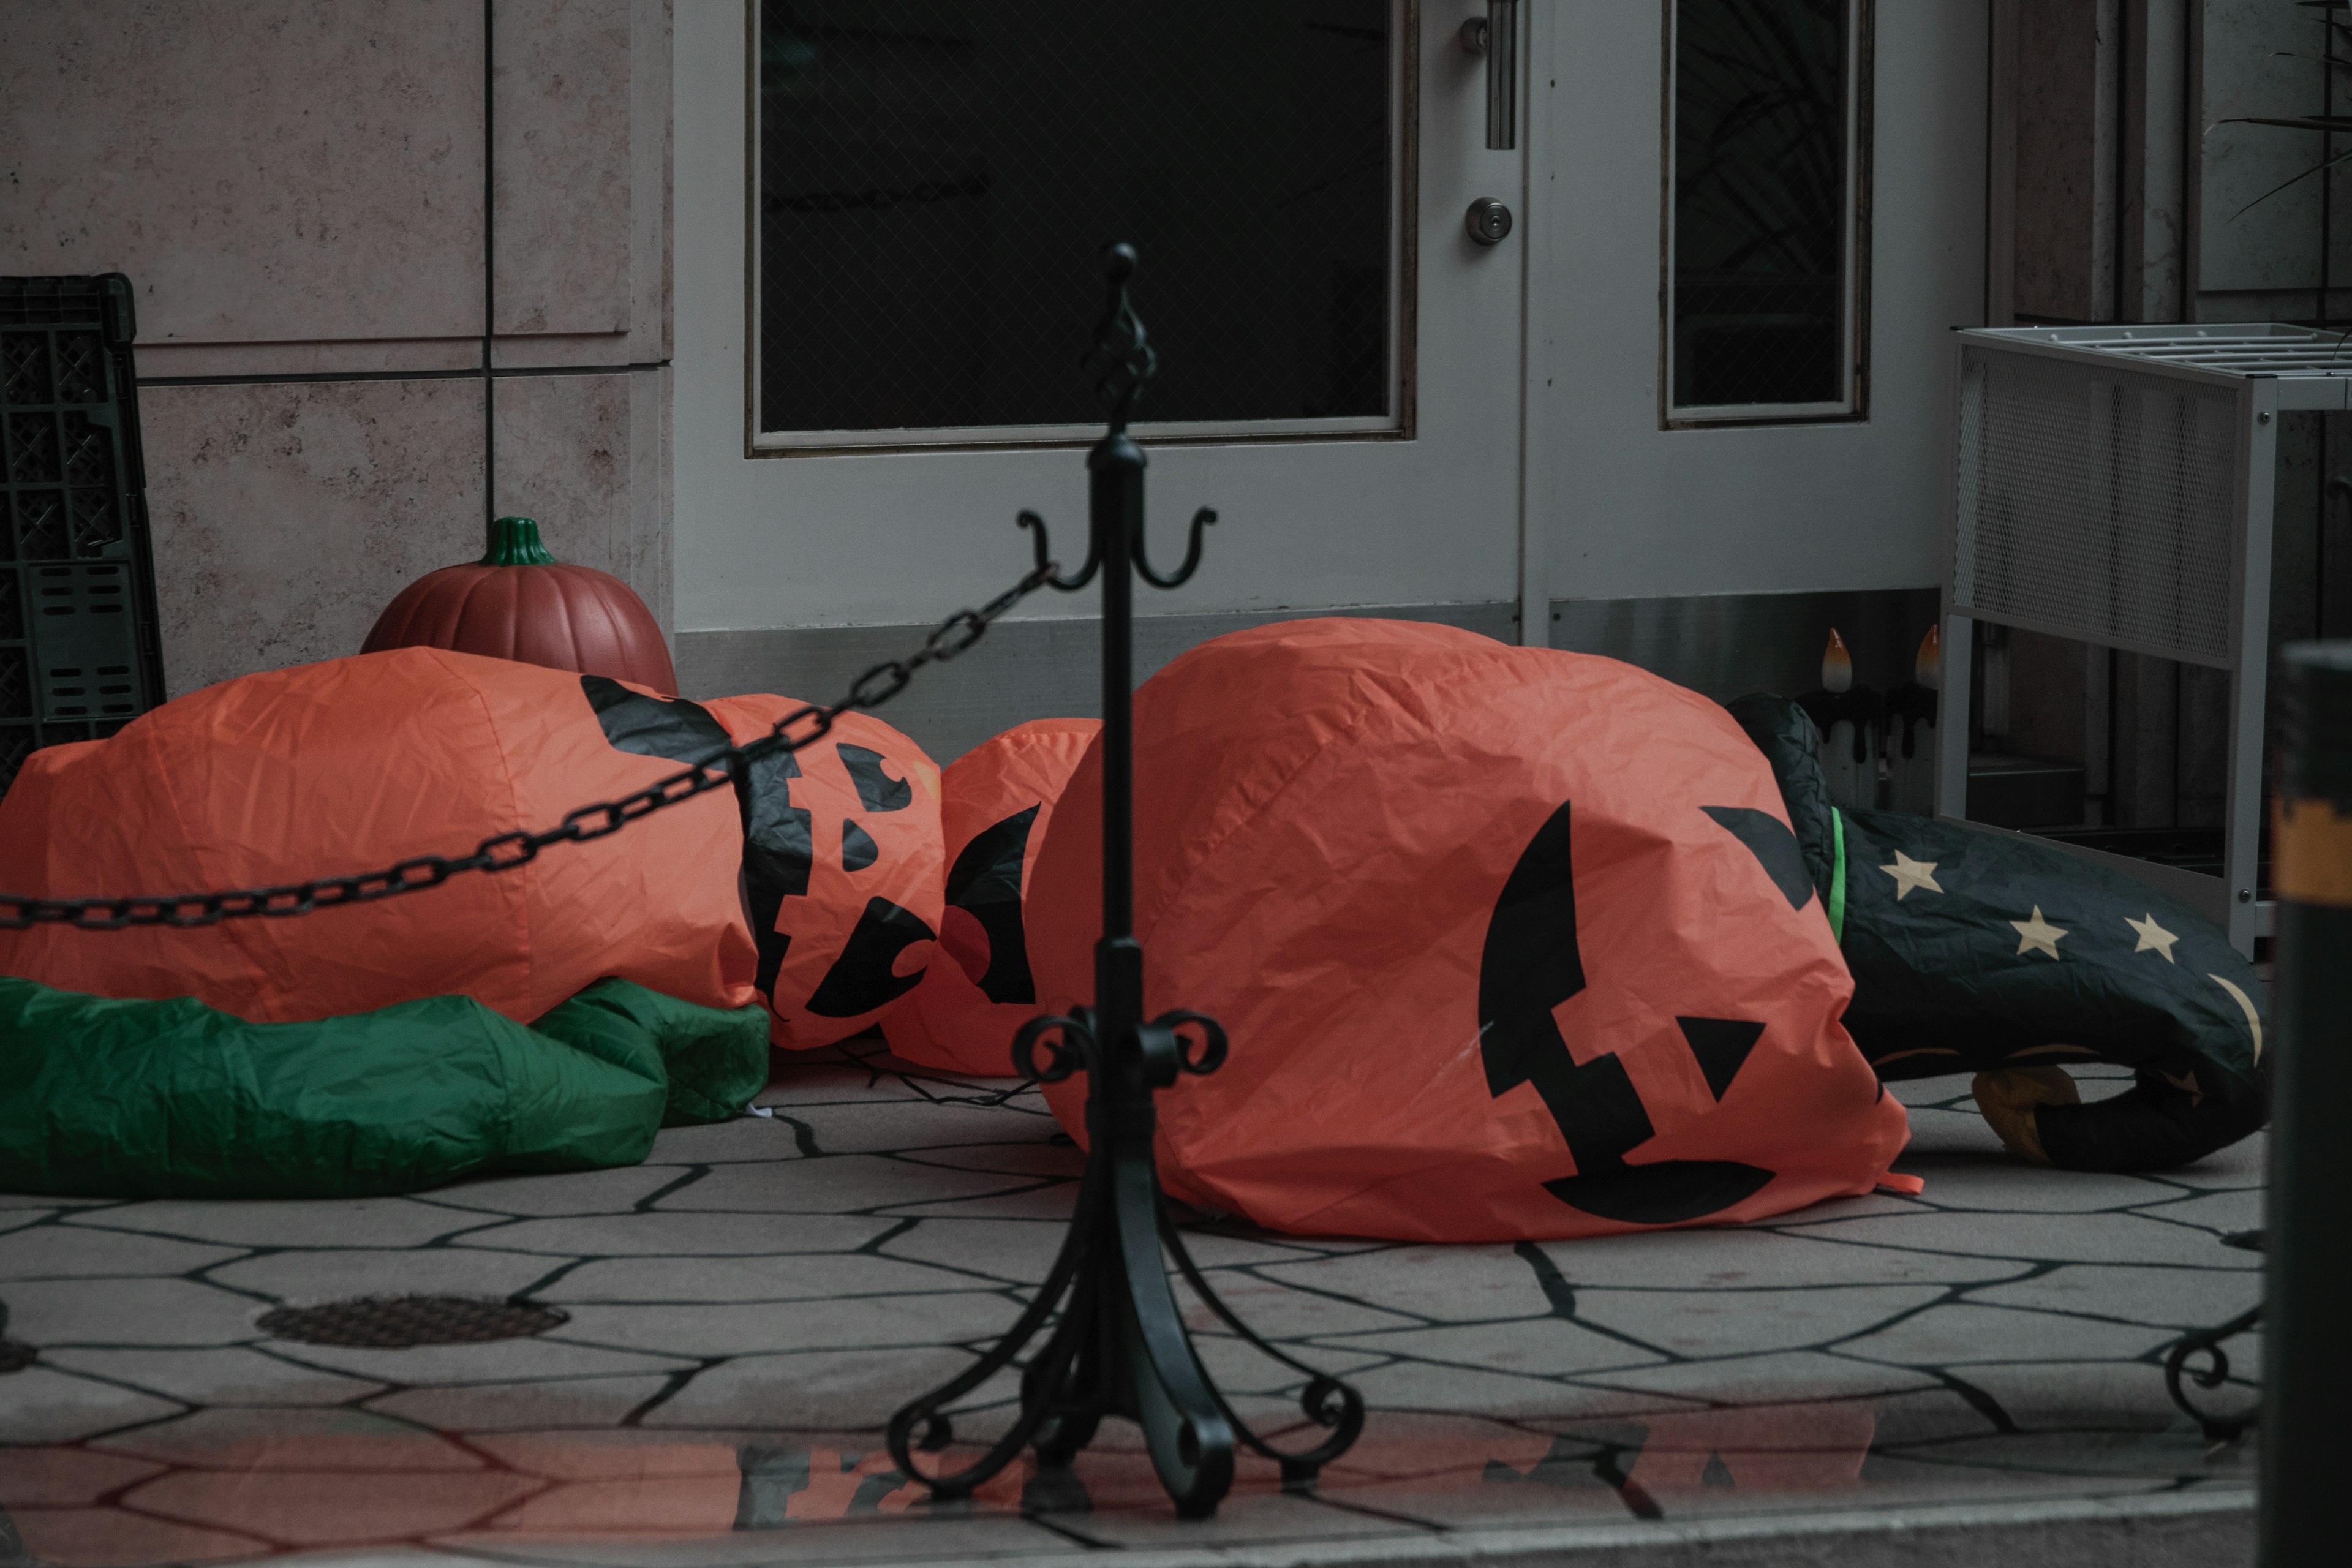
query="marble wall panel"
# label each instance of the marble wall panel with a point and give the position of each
(582, 180)
(286, 516)
(265, 171)
(588, 456)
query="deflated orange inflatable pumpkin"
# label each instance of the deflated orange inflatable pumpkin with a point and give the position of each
(1510, 943)
(841, 871)
(995, 803)
(356, 763)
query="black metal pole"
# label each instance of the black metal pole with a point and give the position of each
(2307, 1354)
(1120, 1346)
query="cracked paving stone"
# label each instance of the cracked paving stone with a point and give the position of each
(688, 1234)
(588, 1402)
(1738, 1322)
(722, 1279)
(1275, 1310)
(2096, 1393)
(2041, 1238)
(552, 1356)
(2223, 1213)
(756, 1138)
(305, 1509)
(1426, 1386)
(1782, 1375)
(1021, 1250)
(574, 1192)
(749, 1328)
(48, 1312)
(1956, 1334)
(308, 1277)
(1737, 1260)
(296, 1439)
(2001, 1186)
(832, 1185)
(289, 1222)
(1464, 1284)
(1242, 1371)
(232, 1375)
(61, 1476)
(42, 1405)
(2166, 1298)
(910, 1126)
(72, 1251)
(1546, 1347)
(850, 1391)
(110, 1535)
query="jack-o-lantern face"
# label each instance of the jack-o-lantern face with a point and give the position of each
(998, 800)
(841, 854)
(1492, 961)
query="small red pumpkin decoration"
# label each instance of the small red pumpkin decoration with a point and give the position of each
(518, 602)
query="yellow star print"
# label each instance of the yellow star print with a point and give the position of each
(2037, 935)
(1909, 874)
(2153, 938)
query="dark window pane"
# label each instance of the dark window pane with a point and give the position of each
(1760, 165)
(935, 177)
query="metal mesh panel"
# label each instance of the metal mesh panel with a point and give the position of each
(2097, 503)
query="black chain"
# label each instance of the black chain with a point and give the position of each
(803, 727)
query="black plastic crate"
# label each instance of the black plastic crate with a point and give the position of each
(79, 653)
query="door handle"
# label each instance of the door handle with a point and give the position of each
(1496, 35)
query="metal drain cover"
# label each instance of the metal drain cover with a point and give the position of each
(16, 1357)
(401, 1322)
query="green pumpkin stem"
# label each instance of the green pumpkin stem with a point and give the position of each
(514, 542)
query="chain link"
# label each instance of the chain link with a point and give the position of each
(803, 727)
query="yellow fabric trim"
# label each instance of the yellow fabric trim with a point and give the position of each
(2007, 1100)
(2311, 852)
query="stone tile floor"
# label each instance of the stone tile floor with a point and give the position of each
(747, 1307)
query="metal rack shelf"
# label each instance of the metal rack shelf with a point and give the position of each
(2113, 485)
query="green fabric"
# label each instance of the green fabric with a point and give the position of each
(1837, 876)
(125, 1098)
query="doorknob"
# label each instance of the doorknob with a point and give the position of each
(1496, 35)
(1488, 221)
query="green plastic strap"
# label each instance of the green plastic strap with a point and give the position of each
(1837, 875)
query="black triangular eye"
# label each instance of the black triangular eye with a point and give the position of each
(985, 883)
(1721, 1045)
(860, 980)
(680, 730)
(858, 849)
(877, 791)
(1773, 844)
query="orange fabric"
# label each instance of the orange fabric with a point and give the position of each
(997, 799)
(857, 937)
(1471, 932)
(348, 767)
(356, 763)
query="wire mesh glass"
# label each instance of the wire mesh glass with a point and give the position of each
(936, 176)
(1765, 134)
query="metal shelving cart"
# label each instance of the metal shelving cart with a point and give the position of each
(2114, 485)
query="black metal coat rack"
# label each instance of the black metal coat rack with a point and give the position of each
(1119, 1346)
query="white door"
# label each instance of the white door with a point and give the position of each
(1754, 226)
(887, 215)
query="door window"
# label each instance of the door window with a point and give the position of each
(1766, 254)
(932, 179)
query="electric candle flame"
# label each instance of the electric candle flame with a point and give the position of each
(1837, 667)
(1927, 669)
